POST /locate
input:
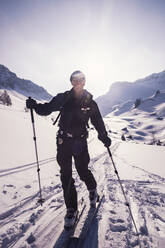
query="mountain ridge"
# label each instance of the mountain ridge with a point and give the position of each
(121, 92)
(10, 81)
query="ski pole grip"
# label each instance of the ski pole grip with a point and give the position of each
(31, 112)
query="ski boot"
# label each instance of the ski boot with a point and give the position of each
(70, 218)
(93, 197)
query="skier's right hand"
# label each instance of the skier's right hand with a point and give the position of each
(30, 103)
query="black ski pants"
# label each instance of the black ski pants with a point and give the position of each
(77, 148)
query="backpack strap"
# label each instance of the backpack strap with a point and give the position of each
(86, 104)
(66, 94)
(58, 116)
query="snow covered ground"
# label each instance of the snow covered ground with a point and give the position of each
(24, 223)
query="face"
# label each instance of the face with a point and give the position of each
(78, 84)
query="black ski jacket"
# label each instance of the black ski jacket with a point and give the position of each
(75, 113)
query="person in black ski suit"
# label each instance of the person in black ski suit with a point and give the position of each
(76, 108)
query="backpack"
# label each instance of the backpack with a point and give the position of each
(85, 105)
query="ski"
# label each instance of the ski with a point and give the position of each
(68, 232)
(82, 207)
(79, 234)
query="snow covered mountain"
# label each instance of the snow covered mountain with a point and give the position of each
(24, 223)
(9, 81)
(149, 104)
(121, 92)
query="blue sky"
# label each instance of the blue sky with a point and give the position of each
(109, 40)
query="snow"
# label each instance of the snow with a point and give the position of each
(141, 153)
(24, 223)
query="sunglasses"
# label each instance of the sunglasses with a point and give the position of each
(79, 80)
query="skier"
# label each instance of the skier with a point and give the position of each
(76, 107)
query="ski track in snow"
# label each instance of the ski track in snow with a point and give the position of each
(29, 225)
(21, 168)
(144, 197)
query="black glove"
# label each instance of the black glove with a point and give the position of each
(106, 140)
(30, 103)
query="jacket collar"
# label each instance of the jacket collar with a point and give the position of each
(85, 96)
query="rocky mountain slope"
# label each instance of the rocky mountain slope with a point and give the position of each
(10, 81)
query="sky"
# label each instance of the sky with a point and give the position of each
(109, 40)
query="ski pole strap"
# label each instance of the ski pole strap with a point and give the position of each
(32, 116)
(110, 154)
(31, 112)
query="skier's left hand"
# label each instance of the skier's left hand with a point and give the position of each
(106, 140)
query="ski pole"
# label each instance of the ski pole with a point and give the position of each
(126, 201)
(41, 200)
